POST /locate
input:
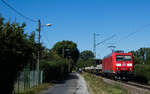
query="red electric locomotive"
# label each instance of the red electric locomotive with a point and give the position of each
(118, 65)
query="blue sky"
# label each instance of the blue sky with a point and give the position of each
(77, 20)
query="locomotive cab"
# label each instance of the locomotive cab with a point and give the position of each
(118, 65)
(124, 65)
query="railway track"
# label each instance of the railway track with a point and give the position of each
(131, 87)
(143, 86)
(139, 85)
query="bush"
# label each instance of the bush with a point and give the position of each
(16, 51)
(142, 72)
(55, 69)
(35, 90)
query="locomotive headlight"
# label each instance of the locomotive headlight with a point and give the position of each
(118, 68)
(129, 64)
(118, 64)
(130, 68)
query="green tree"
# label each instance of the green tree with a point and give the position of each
(16, 51)
(59, 61)
(86, 58)
(141, 61)
(53, 68)
(141, 56)
(67, 49)
(87, 54)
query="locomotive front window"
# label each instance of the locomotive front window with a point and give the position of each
(127, 58)
(119, 58)
(123, 58)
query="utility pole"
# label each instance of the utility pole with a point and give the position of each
(94, 46)
(38, 59)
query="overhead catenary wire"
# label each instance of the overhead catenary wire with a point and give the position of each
(132, 33)
(46, 38)
(106, 40)
(125, 37)
(19, 13)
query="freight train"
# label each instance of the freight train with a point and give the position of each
(96, 68)
(117, 65)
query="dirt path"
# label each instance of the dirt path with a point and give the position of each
(74, 84)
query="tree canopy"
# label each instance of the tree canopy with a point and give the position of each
(67, 49)
(87, 54)
(141, 61)
(17, 49)
(141, 56)
(57, 62)
(86, 58)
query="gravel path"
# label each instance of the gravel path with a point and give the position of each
(74, 84)
(82, 86)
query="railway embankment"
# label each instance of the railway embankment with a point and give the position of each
(131, 88)
(97, 85)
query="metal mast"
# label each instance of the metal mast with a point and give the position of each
(94, 46)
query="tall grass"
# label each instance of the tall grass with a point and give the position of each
(97, 86)
(35, 90)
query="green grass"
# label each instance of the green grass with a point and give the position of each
(97, 86)
(36, 90)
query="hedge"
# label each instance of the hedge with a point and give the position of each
(142, 72)
(54, 69)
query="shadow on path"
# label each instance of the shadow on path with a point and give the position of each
(70, 76)
(66, 86)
